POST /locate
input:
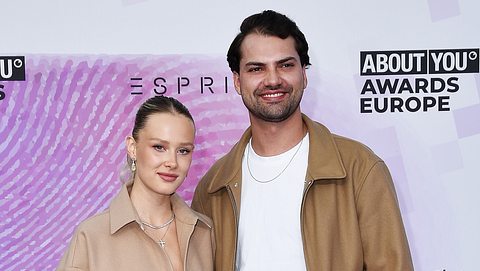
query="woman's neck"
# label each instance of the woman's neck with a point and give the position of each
(151, 207)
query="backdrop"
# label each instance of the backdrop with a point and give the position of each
(402, 78)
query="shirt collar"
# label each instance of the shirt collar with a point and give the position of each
(122, 211)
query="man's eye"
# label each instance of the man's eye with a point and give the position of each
(287, 65)
(255, 69)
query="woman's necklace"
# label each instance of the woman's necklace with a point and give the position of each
(278, 175)
(162, 242)
(158, 227)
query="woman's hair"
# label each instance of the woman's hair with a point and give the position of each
(158, 104)
(154, 105)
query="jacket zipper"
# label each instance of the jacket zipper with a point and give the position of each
(234, 206)
(308, 185)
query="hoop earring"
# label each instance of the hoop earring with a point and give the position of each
(133, 167)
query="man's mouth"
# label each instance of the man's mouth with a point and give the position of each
(273, 95)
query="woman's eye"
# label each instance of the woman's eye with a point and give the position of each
(159, 147)
(184, 151)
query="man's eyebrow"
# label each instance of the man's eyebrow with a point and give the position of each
(254, 63)
(283, 60)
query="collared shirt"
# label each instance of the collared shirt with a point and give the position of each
(114, 240)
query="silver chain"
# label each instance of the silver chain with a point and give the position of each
(281, 172)
(158, 227)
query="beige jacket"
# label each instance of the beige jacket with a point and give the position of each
(113, 240)
(349, 215)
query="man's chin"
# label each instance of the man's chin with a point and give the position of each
(271, 117)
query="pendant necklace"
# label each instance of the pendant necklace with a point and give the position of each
(162, 242)
(167, 224)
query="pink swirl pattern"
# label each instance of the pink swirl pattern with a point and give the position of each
(62, 140)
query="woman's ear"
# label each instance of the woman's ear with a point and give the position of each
(131, 147)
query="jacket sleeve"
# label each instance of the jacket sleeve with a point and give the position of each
(383, 236)
(76, 256)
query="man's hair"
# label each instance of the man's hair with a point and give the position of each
(268, 23)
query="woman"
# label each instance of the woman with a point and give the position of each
(148, 226)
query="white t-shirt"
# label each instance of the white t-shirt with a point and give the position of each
(269, 234)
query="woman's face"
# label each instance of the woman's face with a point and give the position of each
(163, 152)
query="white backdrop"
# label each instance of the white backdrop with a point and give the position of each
(433, 155)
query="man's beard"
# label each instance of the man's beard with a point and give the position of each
(274, 112)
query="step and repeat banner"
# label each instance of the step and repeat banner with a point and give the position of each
(64, 119)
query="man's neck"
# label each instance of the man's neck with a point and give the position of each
(273, 138)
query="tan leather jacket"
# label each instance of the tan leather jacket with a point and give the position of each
(349, 214)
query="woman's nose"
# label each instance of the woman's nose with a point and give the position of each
(171, 162)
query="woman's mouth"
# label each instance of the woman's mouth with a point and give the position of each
(168, 177)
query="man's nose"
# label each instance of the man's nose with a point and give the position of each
(272, 78)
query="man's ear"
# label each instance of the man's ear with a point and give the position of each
(236, 82)
(305, 80)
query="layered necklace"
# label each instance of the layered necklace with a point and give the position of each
(281, 171)
(161, 242)
(170, 220)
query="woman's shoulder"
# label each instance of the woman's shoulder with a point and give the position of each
(98, 223)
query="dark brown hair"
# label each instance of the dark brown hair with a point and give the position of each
(269, 23)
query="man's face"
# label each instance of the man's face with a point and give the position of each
(271, 78)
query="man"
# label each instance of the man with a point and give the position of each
(290, 195)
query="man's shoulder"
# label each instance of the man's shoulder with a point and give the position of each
(213, 178)
(346, 147)
(218, 166)
(219, 163)
(348, 144)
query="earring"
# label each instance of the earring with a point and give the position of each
(133, 167)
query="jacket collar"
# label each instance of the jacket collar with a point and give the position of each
(122, 211)
(324, 161)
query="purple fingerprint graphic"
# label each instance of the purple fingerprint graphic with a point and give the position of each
(62, 140)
